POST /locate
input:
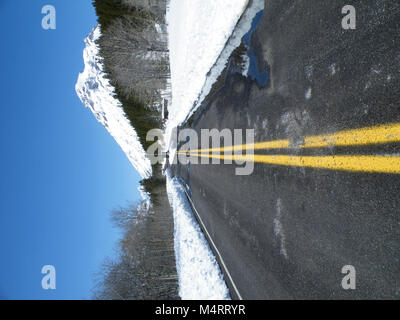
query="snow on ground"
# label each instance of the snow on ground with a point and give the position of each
(96, 93)
(243, 26)
(198, 271)
(198, 32)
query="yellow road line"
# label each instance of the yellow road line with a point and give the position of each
(355, 137)
(382, 164)
(371, 135)
(277, 144)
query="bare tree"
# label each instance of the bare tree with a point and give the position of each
(135, 50)
(145, 268)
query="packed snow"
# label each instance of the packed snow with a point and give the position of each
(198, 271)
(96, 93)
(198, 31)
(242, 27)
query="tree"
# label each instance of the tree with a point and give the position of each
(145, 267)
(134, 50)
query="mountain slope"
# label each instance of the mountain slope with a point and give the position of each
(96, 93)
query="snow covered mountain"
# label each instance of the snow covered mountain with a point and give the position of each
(96, 93)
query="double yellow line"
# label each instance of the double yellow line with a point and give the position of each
(382, 134)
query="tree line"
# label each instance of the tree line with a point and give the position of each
(134, 51)
(145, 266)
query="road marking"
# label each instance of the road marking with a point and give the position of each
(277, 144)
(378, 164)
(387, 133)
(213, 245)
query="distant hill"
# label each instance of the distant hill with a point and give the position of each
(134, 48)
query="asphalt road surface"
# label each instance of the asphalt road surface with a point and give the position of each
(287, 230)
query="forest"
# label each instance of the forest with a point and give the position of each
(134, 51)
(145, 267)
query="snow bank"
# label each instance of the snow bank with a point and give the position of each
(243, 26)
(198, 31)
(202, 36)
(198, 271)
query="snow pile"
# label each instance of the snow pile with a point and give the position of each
(198, 271)
(198, 31)
(243, 26)
(202, 36)
(96, 93)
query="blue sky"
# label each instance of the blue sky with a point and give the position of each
(61, 173)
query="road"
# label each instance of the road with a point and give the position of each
(287, 230)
